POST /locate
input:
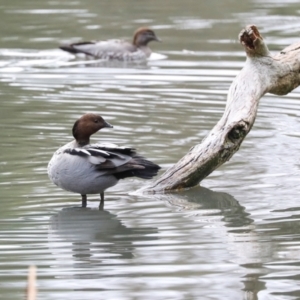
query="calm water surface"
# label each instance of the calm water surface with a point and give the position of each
(235, 237)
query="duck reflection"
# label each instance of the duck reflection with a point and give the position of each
(93, 235)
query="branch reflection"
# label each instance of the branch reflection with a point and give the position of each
(211, 203)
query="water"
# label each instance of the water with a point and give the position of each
(235, 237)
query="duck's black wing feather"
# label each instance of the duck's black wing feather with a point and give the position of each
(122, 162)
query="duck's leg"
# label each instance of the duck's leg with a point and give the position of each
(83, 200)
(101, 205)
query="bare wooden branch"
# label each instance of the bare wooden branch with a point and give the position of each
(262, 73)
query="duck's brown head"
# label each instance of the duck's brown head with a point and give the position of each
(143, 36)
(87, 125)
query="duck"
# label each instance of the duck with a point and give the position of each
(84, 168)
(117, 49)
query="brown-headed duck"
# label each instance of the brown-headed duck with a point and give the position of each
(117, 49)
(84, 168)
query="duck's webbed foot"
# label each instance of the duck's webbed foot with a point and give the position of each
(101, 205)
(83, 201)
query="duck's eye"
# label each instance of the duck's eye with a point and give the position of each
(96, 121)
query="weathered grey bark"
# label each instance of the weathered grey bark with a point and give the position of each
(262, 73)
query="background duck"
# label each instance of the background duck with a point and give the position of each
(84, 168)
(117, 49)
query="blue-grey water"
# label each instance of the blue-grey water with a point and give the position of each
(235, 237)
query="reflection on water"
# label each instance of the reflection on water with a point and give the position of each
(253, 246)
(212, 203)
(18, 58)
(236, 239)
(89, 235)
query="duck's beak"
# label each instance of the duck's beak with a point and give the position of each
(157, 39)
(107, 125)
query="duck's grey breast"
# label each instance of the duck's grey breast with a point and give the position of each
(76, 174)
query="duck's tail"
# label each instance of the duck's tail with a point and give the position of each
(75, 48)
(139, 167)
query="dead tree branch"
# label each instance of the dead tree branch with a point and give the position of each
(263, 73)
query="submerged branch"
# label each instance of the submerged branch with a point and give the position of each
(262, 73)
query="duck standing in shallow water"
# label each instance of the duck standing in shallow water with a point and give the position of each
(84, 168)
(117, 49)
